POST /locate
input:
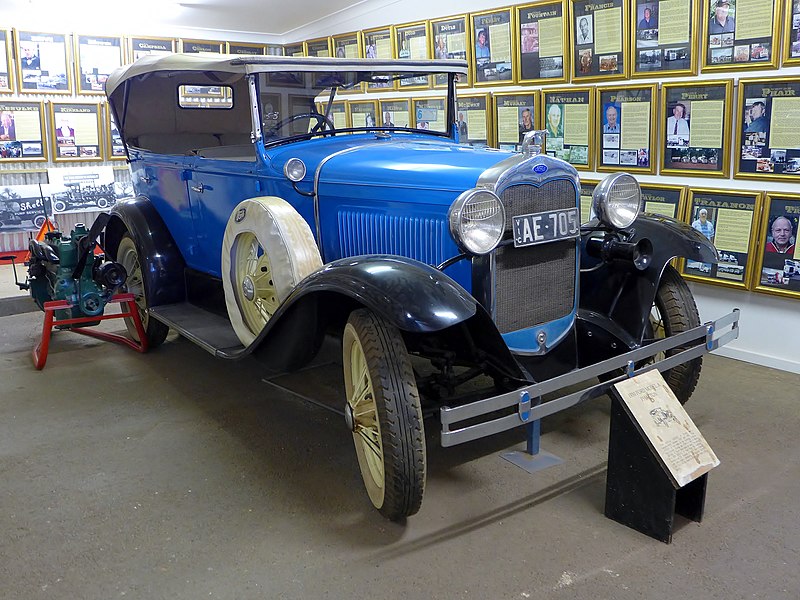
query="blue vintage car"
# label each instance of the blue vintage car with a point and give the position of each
(262, 221)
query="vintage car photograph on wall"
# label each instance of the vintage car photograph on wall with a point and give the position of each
(261, 226)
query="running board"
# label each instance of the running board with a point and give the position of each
(208, 330)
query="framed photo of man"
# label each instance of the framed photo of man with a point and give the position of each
(450, 39)
(740, 34)
(567, 116)
(728, 220)
(766, 129)
(492, 47)
(297, 49)
(75, 132)
(395, 112)
(319, 47)
(202, 47)
(664, 39)
(626, 128)
(664, 200)
(695, 127)
(586, 193)
(6, 79)
(411, 43)
(95, 58)
(597, 34)
(115, 149)
(42, 63)
(363, 113)
(22, 137)
(140, 46)
(791, 34)
(246, 49)
(778, 270)
(348, 45)
(542, 40)
(430, 114)
(473, 121)
(515, 114)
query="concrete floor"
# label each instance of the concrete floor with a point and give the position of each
(177, 475)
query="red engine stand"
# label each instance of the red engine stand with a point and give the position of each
(41, 349)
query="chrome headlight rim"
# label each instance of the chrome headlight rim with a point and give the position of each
(294, 169)
(608, 209)
(456, 219)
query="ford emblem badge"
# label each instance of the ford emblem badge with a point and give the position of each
(540, 169)
(240, 215)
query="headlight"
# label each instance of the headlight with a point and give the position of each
(294, 169)
(477, 221)
(617, 200)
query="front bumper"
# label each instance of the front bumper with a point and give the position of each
(463, 423)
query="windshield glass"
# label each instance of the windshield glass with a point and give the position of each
(302, 105)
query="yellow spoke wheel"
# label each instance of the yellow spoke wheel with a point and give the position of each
(255, 289)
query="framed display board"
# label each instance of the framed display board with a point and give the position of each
(727, 219)
(363, 113)
(493, 47)
(450, 39)
(95, 58)
(42, 63)
(695, 128)
(766, 129)
(791, 33)
(665, 37)
(202, 47)
(115, 150)
(22, 131)
(75, 132)
(473, 120)
(142, 46)
(665, 200)
(568, 118)
(626, 128)
(541, 42)
(378, 43)
(515, 114)
(586, 191)
(246, 49)
(740, 34)
(598, 31)
(347, 45)
(411, 43)
(318, 47)
(395, 112)
(6, 80)
(429, 114)
(294, 49)
(273, 50)
(778, 269)
(338, 115)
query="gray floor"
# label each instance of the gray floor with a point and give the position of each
(176, 475)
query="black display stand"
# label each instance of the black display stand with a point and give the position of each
(639, 491)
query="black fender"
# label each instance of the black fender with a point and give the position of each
(163, 264)
(616, 297)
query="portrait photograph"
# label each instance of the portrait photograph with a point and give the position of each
(584, 29)
(492, 47)
(730, 26)
(22, 131)
(568, 119)
(779, 259)
(625, 123)
(42, 65)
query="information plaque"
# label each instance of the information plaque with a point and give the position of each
(665, 200)
(625, 128)
(22, 135)
(6, 79)
(515, 114)
(42, 66)
(493, 47)
(542, 37)
(740, 34)
(568, 119)
(778, 269)
(665, 37)
(598, 34)
(450, 39)
(472, 120)
(75, 132)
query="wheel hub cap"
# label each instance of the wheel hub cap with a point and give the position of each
(248, 289)
(349, 418)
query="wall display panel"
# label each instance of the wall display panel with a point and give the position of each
(42, 63)
(664, 200)
(626, 128)
(450, 39)
(492, 47)
(294, 49)
(568, 119)
(75, 131)
(6, 79)
(338, 115)
(778, 269)
(363, 113)
(273, 50)
(542, 41)
(598, 31)
(411, 43)
(319, 47)
(429, 114)
(740, 34)
(22, 136)
(205, 96)
(395, 112)
(696, 127)
(26, 208)
(665, 37)
(586, 191)
(379, 43)
(82, 189)
(347, 45)
(727, 219)
(246, 49)
(143, 46)
(202, 47)
(95, 59)
(115, 149)
(473, 120)
(768, 129)
(515, 114)
(791, 33)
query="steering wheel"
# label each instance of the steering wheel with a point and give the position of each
(323, 122)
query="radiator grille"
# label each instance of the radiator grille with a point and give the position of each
(535, 284)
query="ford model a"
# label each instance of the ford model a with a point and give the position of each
(262, 221)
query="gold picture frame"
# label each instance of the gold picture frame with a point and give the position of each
(449, 38)
(612, 138)
(363, 112)
(529, 34)
(791, 34)
(296, 49)
(590, 64)
(681, 153)
(6, 69)
(650, 49)
(189, 46)
(492, 61)
(704, 206)
(764, 151)
(76, 132)
(477, 132)
(90, 77)
(114, 148)
(31, 78)
(246, 49)
(273, 50)
(427, 110)
(411, 42)
(320, 47)
(572, 101)
(585, 198)
(509, 121)
(19, 121)
(777, 269)
(720, 48)
(379, 44)
(394, 111)
(141, 45)
(658, 197)
(348, 45)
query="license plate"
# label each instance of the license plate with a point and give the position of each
(548, 226)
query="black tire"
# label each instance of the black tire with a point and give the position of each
(128, 256)
(387, 425)
(102, 203)
(675, 311)
(59, 206)
(38, 221)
